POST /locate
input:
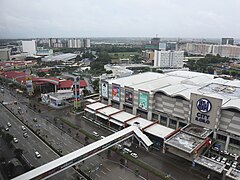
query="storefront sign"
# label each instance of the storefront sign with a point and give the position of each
(204, 110)
(116, 92)
(143, 100)
(129, 96)
(104, 89)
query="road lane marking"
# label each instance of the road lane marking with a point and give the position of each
(103, 172)
(120, 177)
(98, 175)
(108, 169)
(92, 164)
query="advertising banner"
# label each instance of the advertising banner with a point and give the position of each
(104, 89)
(205, 110)
(129, 96)
(116, 92)
(143, 100)
(29, 85)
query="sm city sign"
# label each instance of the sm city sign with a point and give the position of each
(204, 106)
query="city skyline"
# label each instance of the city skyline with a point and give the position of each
(135, 18)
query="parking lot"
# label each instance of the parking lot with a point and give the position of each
(224, 157)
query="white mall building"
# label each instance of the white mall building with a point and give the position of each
(180, 98)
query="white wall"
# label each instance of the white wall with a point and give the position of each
(29, 47)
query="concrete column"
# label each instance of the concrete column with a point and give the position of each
(121, 106)
(177, 125)
(227, 142)
(109, 101)
(134, 110)
(149, 115)
(55, 88)
(214, 134)
(164, 147)
(168, 121)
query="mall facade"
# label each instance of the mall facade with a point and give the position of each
(197, 104)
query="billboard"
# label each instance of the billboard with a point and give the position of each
(143, 100)
(104, 89)
(29, 85)
(205, 110)
(129, 96)
(116, 92)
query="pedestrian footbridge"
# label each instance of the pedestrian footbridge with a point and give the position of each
(56, 166)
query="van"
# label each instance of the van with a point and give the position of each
(126, 150)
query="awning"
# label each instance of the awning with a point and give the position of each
(89, 110)
(101, 116)
(116, 122)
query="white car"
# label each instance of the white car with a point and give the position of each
(234, 165)
(6, 129)
(23, 128)
(95, 134)
(126, 150)
(134, 155)
(15, 140)
(9, 124)
(224, 160)
(218, 159)
(102, 137)
(37, 154)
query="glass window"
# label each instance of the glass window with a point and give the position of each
(234, 141)
(154, 116)
(173, 122)
(221, 137)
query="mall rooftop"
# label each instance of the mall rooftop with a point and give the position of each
(183, 83)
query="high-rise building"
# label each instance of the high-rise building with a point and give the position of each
(168, 59)
(87, 43)
(227, 41)
(155, 41)
(202, 49)
(166, 46)
(4, 54)
(226, 51)
(29, 47)
(75, 43)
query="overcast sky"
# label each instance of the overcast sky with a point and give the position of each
(119, 18)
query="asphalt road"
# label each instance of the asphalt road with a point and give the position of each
(61, 140)
(31, 144)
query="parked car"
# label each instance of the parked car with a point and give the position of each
(228, 163)
(9, 124)
(235, 163)
(95, 134)
(224, 160)
(6, 129)
(102, 137)
(214, 157)
(219, 159)
(134, 155)
(35, 119)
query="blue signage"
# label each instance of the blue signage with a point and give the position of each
(204, 105)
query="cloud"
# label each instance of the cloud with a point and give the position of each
(104, 18)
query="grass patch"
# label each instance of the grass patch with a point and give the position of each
(122, 54)
(67, 122)
(143, 165)
(88, 134)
